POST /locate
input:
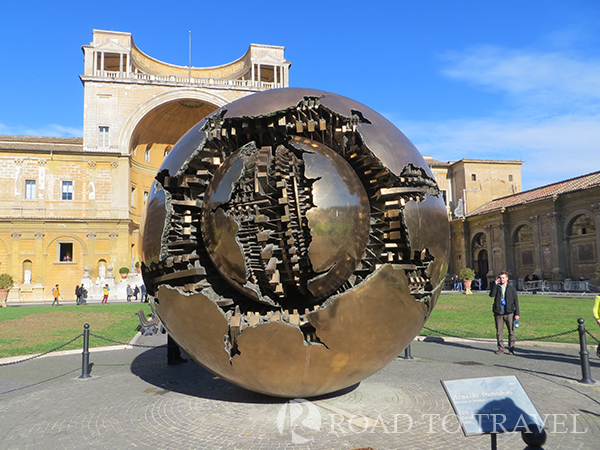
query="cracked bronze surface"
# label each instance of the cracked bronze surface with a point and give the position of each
(295, 242)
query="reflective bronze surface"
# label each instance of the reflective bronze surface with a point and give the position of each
(295, 242)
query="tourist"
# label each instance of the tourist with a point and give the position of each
(105, 291)
(597, 309)
(136, 291)
(144, 298)
(506, 311)
(129, 293)
(56, 295)
(78, 295)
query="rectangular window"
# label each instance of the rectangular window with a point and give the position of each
(147, 155)
(103, 137)
(67, 190)
(510, 178)
(29, 189)
(133, 196)
(444, 197)
(65, 251)
(146, 194)
(473, 177)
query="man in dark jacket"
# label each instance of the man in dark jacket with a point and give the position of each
(506, 311)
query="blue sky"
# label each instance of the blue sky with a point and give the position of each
(462, 79)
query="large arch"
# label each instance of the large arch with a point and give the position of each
(175, 95)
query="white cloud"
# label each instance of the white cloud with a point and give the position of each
(553, 150)
(529, 78)
(53, 130)
(553, 123)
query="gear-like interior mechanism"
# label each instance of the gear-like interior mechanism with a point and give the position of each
(274, 216)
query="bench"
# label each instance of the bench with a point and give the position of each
(147, 327)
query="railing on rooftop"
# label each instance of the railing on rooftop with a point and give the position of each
(175, 79)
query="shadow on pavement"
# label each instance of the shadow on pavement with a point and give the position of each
(522, 352)
(192, 379)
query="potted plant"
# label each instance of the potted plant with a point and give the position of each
(137, 266)
(467, 275)
(124, 272)
(6, 283)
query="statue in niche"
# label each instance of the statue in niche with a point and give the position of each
(102, 271)
(27, 277)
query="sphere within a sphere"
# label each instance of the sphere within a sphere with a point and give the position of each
(294, 243)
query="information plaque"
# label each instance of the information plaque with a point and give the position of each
(492, 405)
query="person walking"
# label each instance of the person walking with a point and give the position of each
(129, 293)
(56, 295)
(596, 309)
(506, 311)
(136, 291)
(105, 291)
(144, 298)
(77, 295)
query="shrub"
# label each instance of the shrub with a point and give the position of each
(6, 281)
(467, 274)
(124, 270)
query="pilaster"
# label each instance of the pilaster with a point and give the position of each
(559, 260)
(596, 210)
(537, 247)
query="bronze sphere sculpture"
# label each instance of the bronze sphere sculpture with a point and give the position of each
(294, 242)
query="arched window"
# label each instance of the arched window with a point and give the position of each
(523, 234)
(582, 225)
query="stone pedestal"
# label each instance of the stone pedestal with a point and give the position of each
(38, 292)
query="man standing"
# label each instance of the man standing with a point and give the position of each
(56, 295)
(506, 311)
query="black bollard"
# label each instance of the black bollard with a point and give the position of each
(85, 356)
(407, 354)
(584, 354)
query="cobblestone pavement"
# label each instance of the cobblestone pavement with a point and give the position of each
(135, 400)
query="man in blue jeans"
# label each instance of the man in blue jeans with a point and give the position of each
(506, 311)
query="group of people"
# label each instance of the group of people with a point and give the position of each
(456, 283)
(133, 293)
(81, 294)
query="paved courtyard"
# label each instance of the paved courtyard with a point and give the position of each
(135, 400)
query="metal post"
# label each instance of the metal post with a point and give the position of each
(494, 441)
(584, 354)
(407, 354)
(85, 356)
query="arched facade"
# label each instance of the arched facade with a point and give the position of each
(550, 232)
(76, 202)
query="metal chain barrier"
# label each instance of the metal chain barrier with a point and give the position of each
(126, 343)
(592, 336)
(42, 354)
(494, 340)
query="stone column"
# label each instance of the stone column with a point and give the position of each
(505, 253)
(40, 265)
(466, 242)
(489, 246)
(91, 206)
(558, 257)
(596, 211)
(112, 247)
(90, 258)
(14, 266)
(537, 247)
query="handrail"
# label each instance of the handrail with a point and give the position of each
(176, 79)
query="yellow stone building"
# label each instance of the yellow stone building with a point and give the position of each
(67, 204)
